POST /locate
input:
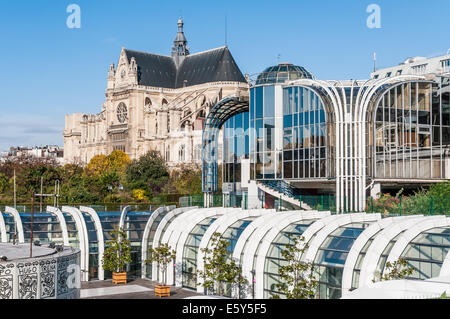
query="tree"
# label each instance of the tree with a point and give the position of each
(118, 160)
(219, 268)
(149, 172)
(162, 255)
(4, 183)
(118, 253)
(297, 276)
(97, 165)
(188, 181)
(139, 195)
(397, 270)
(30, 177)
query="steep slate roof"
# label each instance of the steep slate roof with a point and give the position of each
(154, 70)
(208, 66)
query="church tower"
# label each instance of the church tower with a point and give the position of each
(180, 49)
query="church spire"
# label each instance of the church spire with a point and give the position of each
(180, 48)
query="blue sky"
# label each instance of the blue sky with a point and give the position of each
(48, 70)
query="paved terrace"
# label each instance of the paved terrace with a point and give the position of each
(134, 289)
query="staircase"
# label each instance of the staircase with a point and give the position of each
(284, 191)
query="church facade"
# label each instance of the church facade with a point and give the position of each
(156, 102)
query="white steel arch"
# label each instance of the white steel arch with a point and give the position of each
(172, 234)
(413, 232)
(145, 237)
(361, 112)
(165, 222)
(256, 226)
(380, 242)
(100, 238)
(123, 216)
(265, 223)
(359, 244)
(178, 238)
(3, 233)
(13, 212)
(339, 113)
(62, 222)
(82, 237)
(220, 226)
(351, 128)
(315, 227)
(322, 235)
(261, 240)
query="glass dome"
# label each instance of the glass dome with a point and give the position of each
(283, 72)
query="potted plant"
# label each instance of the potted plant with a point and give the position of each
(162, 256)
(117, 255)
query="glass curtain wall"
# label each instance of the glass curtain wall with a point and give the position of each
(232, 234)
(412, 130)
(190, 252)
(262, 134)
(72, 231)
(426, 252)
(109, 221)
(274, 259)
(46, 228)
(357, 269)
(135, 223)
(93, 247)
(151, 236)
(235, 146)
(384, 256)
(304, 134)
(331, 257)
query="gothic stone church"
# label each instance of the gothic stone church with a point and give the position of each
(156, 102)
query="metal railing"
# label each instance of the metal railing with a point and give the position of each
(409, 205)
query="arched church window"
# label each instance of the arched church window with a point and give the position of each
(168, 122)
(184, 125)
(168, 153)
(198, 152)
(181, 153)
(148, 104)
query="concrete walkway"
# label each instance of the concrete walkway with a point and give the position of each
(134, 289)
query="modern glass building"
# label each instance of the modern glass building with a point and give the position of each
(347, 139)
